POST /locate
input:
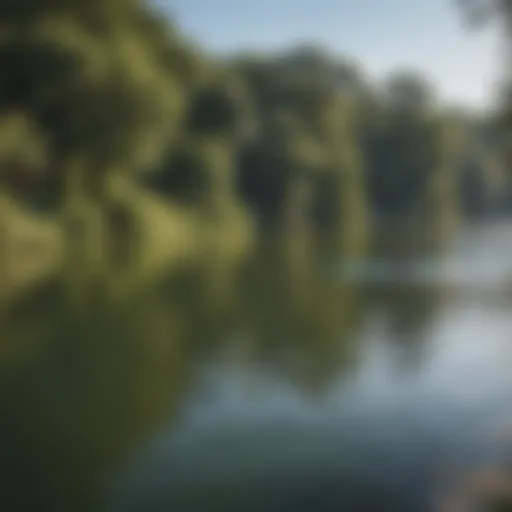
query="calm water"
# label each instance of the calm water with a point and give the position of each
(265, 389)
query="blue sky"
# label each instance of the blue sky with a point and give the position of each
(424, 34)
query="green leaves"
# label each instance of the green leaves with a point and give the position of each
(96, 76)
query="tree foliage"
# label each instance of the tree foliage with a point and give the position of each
(100, 78)
(112, 86)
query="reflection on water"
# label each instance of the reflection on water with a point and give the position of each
(272, 387)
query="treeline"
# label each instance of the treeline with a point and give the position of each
(300, 140)
(312, 145)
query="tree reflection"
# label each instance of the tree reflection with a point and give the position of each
(81, 389)
(78, 394)
(408, 307)
(297, 314)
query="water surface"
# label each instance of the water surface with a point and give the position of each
(269, 389)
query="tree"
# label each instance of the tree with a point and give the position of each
(303, 173)
(481, 13)
(103, 93)
(102, 81)
(409, 92)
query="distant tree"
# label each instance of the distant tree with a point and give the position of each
(480, 13)
(408, 91)
(303, 168)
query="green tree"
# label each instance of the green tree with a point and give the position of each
(297, 173)
(480, 13)
(103, 81)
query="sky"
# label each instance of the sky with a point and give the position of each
(426, 35)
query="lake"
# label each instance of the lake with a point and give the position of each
(266, 388)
